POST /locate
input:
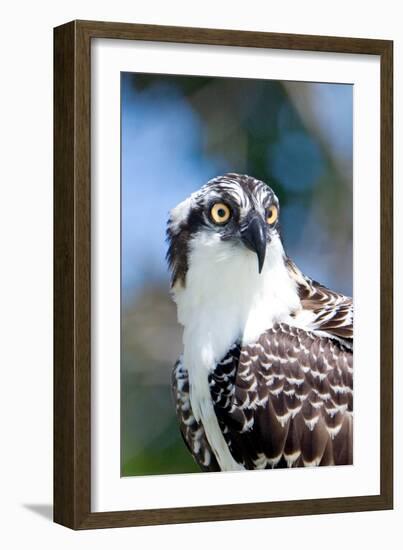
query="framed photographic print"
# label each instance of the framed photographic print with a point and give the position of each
(223, 199)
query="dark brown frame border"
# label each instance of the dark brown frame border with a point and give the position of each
(72, 292)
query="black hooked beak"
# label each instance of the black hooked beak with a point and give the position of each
(254, 237)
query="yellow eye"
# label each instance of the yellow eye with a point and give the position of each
(272, 214)
(220, 212)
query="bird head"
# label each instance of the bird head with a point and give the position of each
(232, 210)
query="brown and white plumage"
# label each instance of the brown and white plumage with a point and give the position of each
(286, 400)
(333, 312)
(268, 382)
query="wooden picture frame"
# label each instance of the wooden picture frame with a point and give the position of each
(72, 272)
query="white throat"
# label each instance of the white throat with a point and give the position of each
(224, 300)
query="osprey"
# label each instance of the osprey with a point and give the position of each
(266, 375)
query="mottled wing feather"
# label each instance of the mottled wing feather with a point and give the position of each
(333, 312)
(286, 400)
(192, 431)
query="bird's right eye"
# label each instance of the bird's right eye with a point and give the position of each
(220, 213)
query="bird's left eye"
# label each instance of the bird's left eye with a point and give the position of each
(272, 214)
(220, 213)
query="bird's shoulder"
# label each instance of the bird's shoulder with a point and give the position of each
(330, 313)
